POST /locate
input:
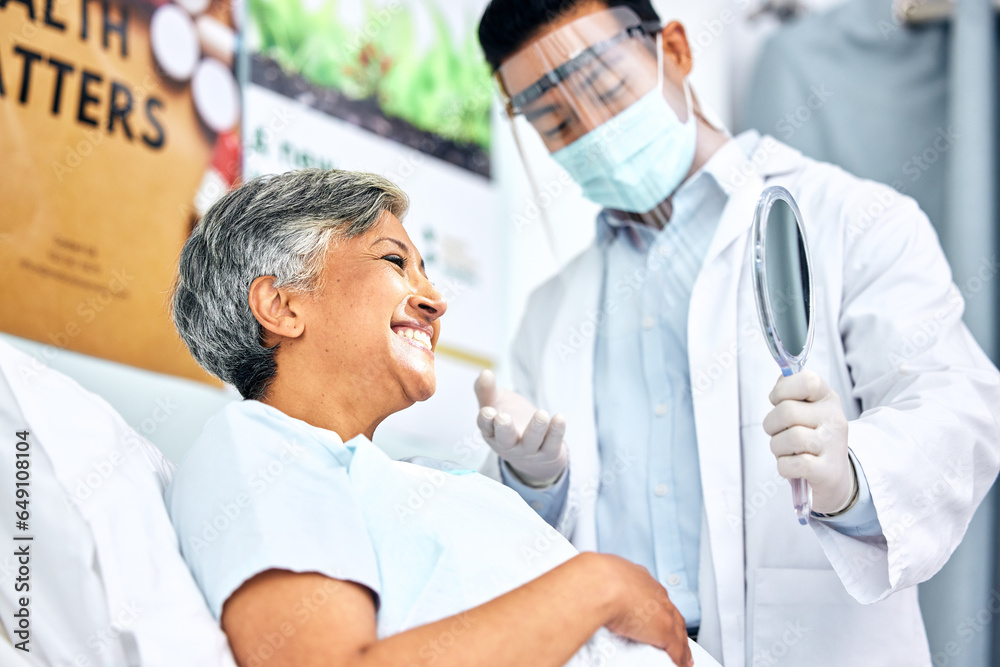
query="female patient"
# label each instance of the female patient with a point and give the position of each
(313, 548)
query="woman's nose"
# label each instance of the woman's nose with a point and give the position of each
(429, 302)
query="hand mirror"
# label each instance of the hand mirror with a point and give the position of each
(782, 281)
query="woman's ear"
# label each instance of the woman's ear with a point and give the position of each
(277, 310)
(676, 47)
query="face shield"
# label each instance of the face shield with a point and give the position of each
(592, 90)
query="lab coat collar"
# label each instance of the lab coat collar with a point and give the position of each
(764, 158)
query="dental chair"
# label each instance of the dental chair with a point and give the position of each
(108, 585)
(9, 656)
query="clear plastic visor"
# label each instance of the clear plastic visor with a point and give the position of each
(581, 75)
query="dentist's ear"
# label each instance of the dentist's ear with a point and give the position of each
(276, 309)
(676, 48)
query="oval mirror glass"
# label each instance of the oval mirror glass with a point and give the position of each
(787, 281)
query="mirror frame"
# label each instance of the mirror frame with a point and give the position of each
(789, 363)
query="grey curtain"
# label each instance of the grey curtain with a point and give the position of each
(916, 108)
(961, 602)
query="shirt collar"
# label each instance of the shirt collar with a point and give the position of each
(715, 176)
(285, 426)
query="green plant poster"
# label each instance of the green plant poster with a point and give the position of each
(408, 71)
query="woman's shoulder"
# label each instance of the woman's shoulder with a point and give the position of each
(246, 446)
(261, 490)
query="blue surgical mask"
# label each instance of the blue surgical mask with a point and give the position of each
(638, 158)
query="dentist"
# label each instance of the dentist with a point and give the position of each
(671, 439)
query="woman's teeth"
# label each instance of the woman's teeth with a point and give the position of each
(416, 336)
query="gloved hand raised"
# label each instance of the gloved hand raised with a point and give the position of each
(529, 440)
(808, 432)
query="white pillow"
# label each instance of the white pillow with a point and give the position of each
(10, 657)
(108, 585)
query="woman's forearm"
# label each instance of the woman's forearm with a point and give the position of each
(542, 623)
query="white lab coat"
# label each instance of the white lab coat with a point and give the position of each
(922, 398)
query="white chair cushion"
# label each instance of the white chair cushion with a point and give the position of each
(108, 585)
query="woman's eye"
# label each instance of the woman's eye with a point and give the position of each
(397, 260)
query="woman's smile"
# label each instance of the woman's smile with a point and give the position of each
(415, 334)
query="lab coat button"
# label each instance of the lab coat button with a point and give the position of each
(673, 580)
(660, 490)
(661, 410)
(537, 506)
(648, 323)
(664, 251)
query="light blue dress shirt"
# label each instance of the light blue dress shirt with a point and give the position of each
(649, 504)
(642, 391)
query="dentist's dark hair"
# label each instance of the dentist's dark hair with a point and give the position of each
(507, 25)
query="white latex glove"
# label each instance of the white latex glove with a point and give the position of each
(529, 440)
(808, 432)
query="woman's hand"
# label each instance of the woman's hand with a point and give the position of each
(641, 610)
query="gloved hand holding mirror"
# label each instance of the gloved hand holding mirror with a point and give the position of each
(808, 428)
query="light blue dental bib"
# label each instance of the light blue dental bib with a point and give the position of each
(445, 542)
(448, 542)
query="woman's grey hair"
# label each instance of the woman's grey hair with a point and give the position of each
(277, 226)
